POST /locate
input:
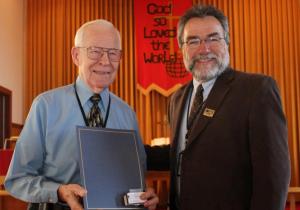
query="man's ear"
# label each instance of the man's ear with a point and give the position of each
(75, 55)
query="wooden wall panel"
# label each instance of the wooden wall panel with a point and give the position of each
(16, 129)
(264, 39)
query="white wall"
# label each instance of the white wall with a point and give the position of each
(12, 36)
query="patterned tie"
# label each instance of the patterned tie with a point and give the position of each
(94, 116)
(197, 104)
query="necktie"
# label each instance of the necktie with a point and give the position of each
(197, 104)
(94, 116)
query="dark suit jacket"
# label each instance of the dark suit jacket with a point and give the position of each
(237, 157)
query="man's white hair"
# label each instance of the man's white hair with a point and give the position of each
(101, 22)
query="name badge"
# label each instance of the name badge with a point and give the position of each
(208, 112)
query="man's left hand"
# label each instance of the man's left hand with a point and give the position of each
(151, 199)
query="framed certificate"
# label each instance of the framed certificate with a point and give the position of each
(110, 166)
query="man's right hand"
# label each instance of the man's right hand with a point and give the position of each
(71, 194)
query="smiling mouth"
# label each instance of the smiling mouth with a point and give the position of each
(204, 60)
(101, 72)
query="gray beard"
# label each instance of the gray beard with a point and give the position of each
(205, 76)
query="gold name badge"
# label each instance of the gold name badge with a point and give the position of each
(208, 112)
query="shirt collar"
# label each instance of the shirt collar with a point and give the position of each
(84, 93)
(207, 86)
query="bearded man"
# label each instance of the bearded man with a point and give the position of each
(229, 147)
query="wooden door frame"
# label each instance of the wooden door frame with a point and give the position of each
(8, 113)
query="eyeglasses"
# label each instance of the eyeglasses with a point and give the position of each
(210, 41)
(96, 53)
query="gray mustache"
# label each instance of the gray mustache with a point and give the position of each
(200, 57)
(207, 56)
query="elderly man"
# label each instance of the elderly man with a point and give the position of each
(45, 165)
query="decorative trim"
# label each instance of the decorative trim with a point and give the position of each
(162, 91)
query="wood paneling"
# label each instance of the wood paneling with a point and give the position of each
(8, 202)
(16, 129)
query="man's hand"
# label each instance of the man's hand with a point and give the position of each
(71, 194)
(151, 199)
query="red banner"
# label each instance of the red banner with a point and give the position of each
(159, 60)
(5, 157)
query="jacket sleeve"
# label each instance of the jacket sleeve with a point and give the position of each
(268, 148)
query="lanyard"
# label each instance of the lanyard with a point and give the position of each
(82, 111)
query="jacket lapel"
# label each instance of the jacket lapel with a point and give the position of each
(213, 102)
(179, 107)
(177, 111)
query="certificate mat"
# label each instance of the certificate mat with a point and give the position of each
(109, 165)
